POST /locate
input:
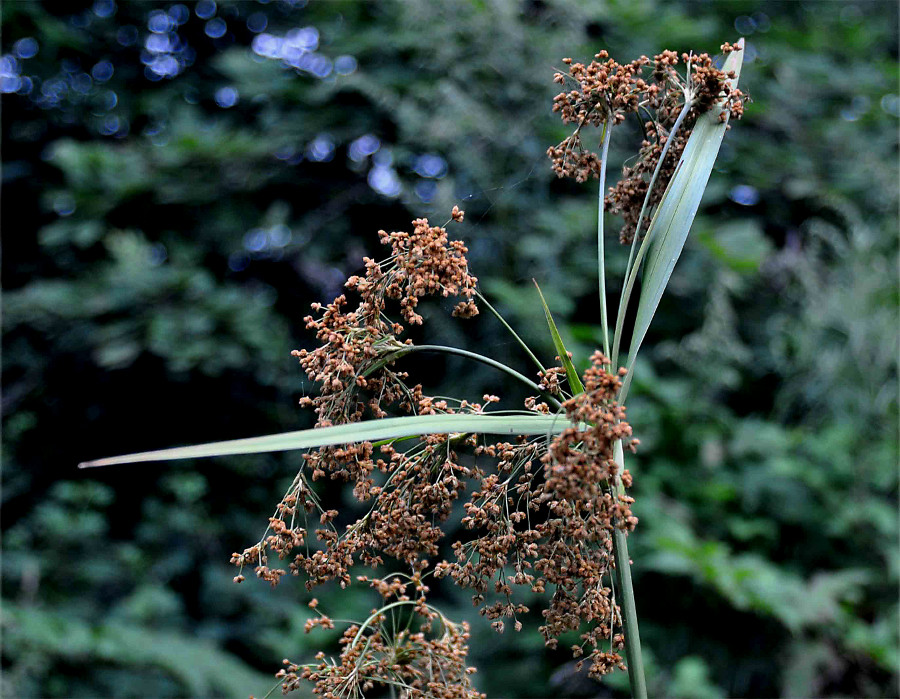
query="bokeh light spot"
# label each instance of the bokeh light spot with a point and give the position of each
(9, 74)
(26, 47)
(430, 165)
(81, 83)
(104, 8)
(279, 236)
(179, 14)
(257, 22)
(110, 125)
(745, 195)
(363, 146)
(320, 149)
(102, 71)
(384, 180)
(256, 240)
(205, 9)
(306, 38)
(344, 65)
(216, 28)
(108, 101)
(159, 22)
(64, 204)
(226, 97)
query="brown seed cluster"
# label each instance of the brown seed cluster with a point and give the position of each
(357, 346)
(607, 92)
(540, 517)
(538, 513)
(544, 518)
(429, 662)
(427, 262)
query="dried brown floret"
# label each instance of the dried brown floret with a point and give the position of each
(351, 361)
(608, 91)
(540, 513)
(428, 662)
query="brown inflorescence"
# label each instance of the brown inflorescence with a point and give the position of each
(607, 92)
(538, 513)
(550, 527)
(428, 662)
(357, 346)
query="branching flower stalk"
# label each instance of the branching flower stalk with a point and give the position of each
(546, 505)
(604, 88)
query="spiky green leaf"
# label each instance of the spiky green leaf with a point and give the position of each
(571, 374)
(370, 431)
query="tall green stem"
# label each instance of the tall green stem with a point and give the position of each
(633, 655)
(408, 349)
(601, 253)
(509, 327)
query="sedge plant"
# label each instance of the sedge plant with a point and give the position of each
(542, 492)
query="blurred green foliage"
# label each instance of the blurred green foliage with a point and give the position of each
(173, 204)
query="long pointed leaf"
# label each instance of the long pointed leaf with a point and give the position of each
(373, 430)
(571, 374)
(672, 222)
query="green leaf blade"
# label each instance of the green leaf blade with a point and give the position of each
(571, 374)
(673, 219)
(372, 430)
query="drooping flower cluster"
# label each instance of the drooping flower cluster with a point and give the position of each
(540, 516)
(540, 512)
(429, 662)
(550, 526)
(607, 92)
(353, 369)
(357, 346)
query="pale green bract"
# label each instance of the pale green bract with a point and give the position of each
(571, 374)
(670, 226)
(371, 431)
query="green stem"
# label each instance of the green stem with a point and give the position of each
(633, 654)
(407, 349)
(376, 614)
(601, 255)
(634, 264)
(509, 327)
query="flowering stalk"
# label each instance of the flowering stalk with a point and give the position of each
(547, 505)
(633, 653)
(607, 92)
(601, 246)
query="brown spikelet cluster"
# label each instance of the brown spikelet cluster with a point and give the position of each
(427, 262)
(428, 662)
(544, 520)
(352, 365)
(605, 92)
(538, 513)
(353, 360)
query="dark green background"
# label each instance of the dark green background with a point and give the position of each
(152, 297)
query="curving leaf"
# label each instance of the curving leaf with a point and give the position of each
(372, 430)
